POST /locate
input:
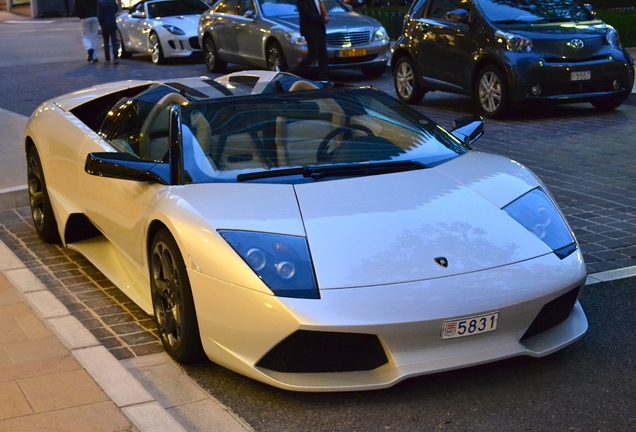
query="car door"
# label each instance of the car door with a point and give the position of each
(248, 27)
(134, 29)
(446, 45)
(224, 30)
(119, 207)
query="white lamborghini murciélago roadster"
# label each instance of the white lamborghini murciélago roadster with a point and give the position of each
(311, 236)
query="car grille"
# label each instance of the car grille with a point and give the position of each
(194, 43)
(553, 313)
(320, 352)
(348, 38)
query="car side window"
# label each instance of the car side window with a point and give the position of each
(122, 126)
(228, 7)
(244, 6)
(439, 8)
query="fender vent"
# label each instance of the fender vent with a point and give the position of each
(553, 313)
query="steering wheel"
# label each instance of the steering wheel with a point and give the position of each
(322, 155)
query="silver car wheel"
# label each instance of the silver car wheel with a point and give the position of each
(275, 57)
(404, 79)
(156, 53)
(490, 91)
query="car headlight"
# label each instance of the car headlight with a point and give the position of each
(281, 261)
(612, 37)
(174, 30)
(381, 35)
(513, 42)
(538, 214)
(294, 38)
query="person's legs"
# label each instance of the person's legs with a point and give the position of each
(115, 44)
(310, 58)
(94, 35)
(323, 59)
(86, 38)
(106, 37)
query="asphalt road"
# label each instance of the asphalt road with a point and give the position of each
(586, 158)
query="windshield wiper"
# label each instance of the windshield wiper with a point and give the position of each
(317, 172)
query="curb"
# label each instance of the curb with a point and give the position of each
(117, 382)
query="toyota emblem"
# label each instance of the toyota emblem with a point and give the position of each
(576, 43)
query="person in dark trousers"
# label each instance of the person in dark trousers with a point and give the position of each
(313, 18)
(107, 15)
(86, 11)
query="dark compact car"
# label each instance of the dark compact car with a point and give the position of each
(266, 34)
(511, 52)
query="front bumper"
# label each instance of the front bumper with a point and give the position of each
(374, 54)
(537, 79)
(270, 338)
(181, 46)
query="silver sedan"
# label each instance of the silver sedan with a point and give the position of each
(265, 34)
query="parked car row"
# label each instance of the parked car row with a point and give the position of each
(503, 53)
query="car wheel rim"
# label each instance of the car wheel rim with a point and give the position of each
(404, 79)
(36, 192)
(490, 91)
(273, 59)
(168, 300)
(154, 48)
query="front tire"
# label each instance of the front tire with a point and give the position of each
(122, 49)
(211, 56)
(608, 103)
(275, 57)
(374, 71)
(172, 300)
(407, 86)
(156, 52)
(41, 210)
(491, 93)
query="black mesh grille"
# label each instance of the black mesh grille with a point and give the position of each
(319, 352)
(348, 38)
(576, 88)
(194, 43)
(553, 313)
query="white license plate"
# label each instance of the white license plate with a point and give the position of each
(580, 76)
(469, 326)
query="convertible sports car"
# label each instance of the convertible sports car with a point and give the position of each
(161, 28)
(312, 236)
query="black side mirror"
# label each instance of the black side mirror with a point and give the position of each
(460, 15)
(124, 166)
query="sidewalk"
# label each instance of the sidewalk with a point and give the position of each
(55, 375)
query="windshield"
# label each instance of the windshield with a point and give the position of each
(176, 8)
(275, 8)
(533, 10)
(276, 134)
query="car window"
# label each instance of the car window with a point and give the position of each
(227, 138)
(439, 8)
(272, 8)
(176, 8)
(533, 10)
(227, 7)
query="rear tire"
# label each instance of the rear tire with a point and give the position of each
(41, 210)
(407, 86)
(172, 300)
(211, 56)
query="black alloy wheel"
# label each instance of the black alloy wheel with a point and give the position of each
(41, 210)
(172, 300)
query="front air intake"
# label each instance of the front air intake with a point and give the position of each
(320, 352)
(553, 313)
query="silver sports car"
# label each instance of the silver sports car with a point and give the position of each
(312, 236)
(161, 28)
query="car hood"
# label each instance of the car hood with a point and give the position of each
(188, 23)
(337, 21)
(392, 228)
(555, 39)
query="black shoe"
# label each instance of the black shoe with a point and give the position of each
(116, 61)
(90, 55)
